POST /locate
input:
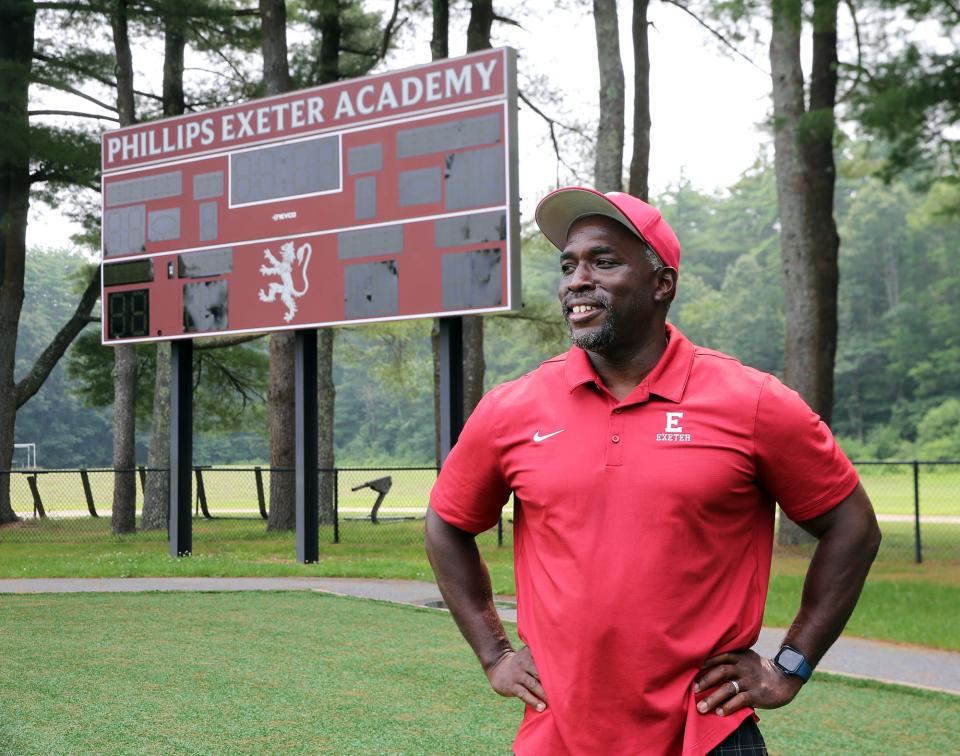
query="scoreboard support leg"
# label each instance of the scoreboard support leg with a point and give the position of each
(180, 526)
(307, 471)
(451, 383)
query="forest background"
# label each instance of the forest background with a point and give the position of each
(897, 371)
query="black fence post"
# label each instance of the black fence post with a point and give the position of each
(500, 532)
(261, 500)
(88, 492)
(37, 502)
(201, 492)
(917, 544)
(336, 505)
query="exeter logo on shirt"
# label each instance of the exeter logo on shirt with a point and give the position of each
(672, 430)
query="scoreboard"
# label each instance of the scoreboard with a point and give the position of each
(380, 198)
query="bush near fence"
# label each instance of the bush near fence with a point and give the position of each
(918, 504)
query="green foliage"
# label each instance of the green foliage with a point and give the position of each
(911, 103)
(66, 433)
(938, 433)
(361, 34)
(229, 383)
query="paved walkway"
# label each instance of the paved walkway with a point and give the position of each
(888, 662)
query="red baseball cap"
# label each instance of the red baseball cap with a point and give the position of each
(559, 209)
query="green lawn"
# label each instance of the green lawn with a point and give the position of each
(902, 602)
(229, 489)
(197, 673)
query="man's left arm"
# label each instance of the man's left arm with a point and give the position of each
(849, 538)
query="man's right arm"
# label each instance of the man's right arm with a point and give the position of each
(465, 585)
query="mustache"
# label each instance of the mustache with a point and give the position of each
(596, 300)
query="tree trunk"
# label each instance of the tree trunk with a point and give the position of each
(439, 49)
(281, 419)
(474, 367)
(439, 44)
(280, 389)
(125, 361)
(124, 516)
(481, 21)
(126, 109)
(608, 162)
(174, 42)
(331, 33)
(16, 57)
(156, 497)
(803, 144)
(273, 37)
(640, 159)
(435, 349)
(326, 398)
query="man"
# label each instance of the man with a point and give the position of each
(646, 471)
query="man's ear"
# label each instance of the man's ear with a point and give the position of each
(666, 285)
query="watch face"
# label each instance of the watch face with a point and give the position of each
(789, 659)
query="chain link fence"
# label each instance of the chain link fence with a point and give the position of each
(357, 505)
(917, 503)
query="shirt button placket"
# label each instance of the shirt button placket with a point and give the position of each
(615, 438)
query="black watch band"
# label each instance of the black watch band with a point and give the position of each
(792, 662)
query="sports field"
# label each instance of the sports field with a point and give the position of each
(232, 502)
(233, 491)
(305, 673)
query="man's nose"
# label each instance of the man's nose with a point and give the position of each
(581, 278)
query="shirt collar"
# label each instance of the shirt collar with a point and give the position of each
(668, 378)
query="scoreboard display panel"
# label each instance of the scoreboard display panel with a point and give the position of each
(381, 198)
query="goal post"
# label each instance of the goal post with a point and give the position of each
(27, 456)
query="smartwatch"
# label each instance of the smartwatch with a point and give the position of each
(793, 662)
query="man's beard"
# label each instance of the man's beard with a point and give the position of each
(594, 338)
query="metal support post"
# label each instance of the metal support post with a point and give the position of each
(180, 526)
(336, 506)
(451, 383)
(307, 470)
(917, 546)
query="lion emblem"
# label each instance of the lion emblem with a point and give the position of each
(292, 262)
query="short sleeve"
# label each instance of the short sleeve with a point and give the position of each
(799, 462)
(471, 488)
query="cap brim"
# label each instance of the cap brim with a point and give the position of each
(560, 209)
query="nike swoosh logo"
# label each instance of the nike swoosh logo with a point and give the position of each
(538, 438)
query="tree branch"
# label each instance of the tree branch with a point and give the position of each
(76, 113)
(551, 124)
(856, 33)
(220, 342)
(238, 74)
(70, 90)
(32, 382)
(726, 42)
(389, 30)
(245, 390)
(61, 63)
(508, 21)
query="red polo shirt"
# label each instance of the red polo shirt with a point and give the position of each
(643, 533)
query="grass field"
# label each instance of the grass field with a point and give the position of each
(228, 489)
(902, 602)
(305, 673)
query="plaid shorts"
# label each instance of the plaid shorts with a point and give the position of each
(746, 739)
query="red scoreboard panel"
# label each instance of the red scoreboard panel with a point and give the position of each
(381, 198)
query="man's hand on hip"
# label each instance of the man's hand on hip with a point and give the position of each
(515, 674)
(745, 679)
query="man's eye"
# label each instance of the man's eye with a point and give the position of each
(567, 269)
(604, 263)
